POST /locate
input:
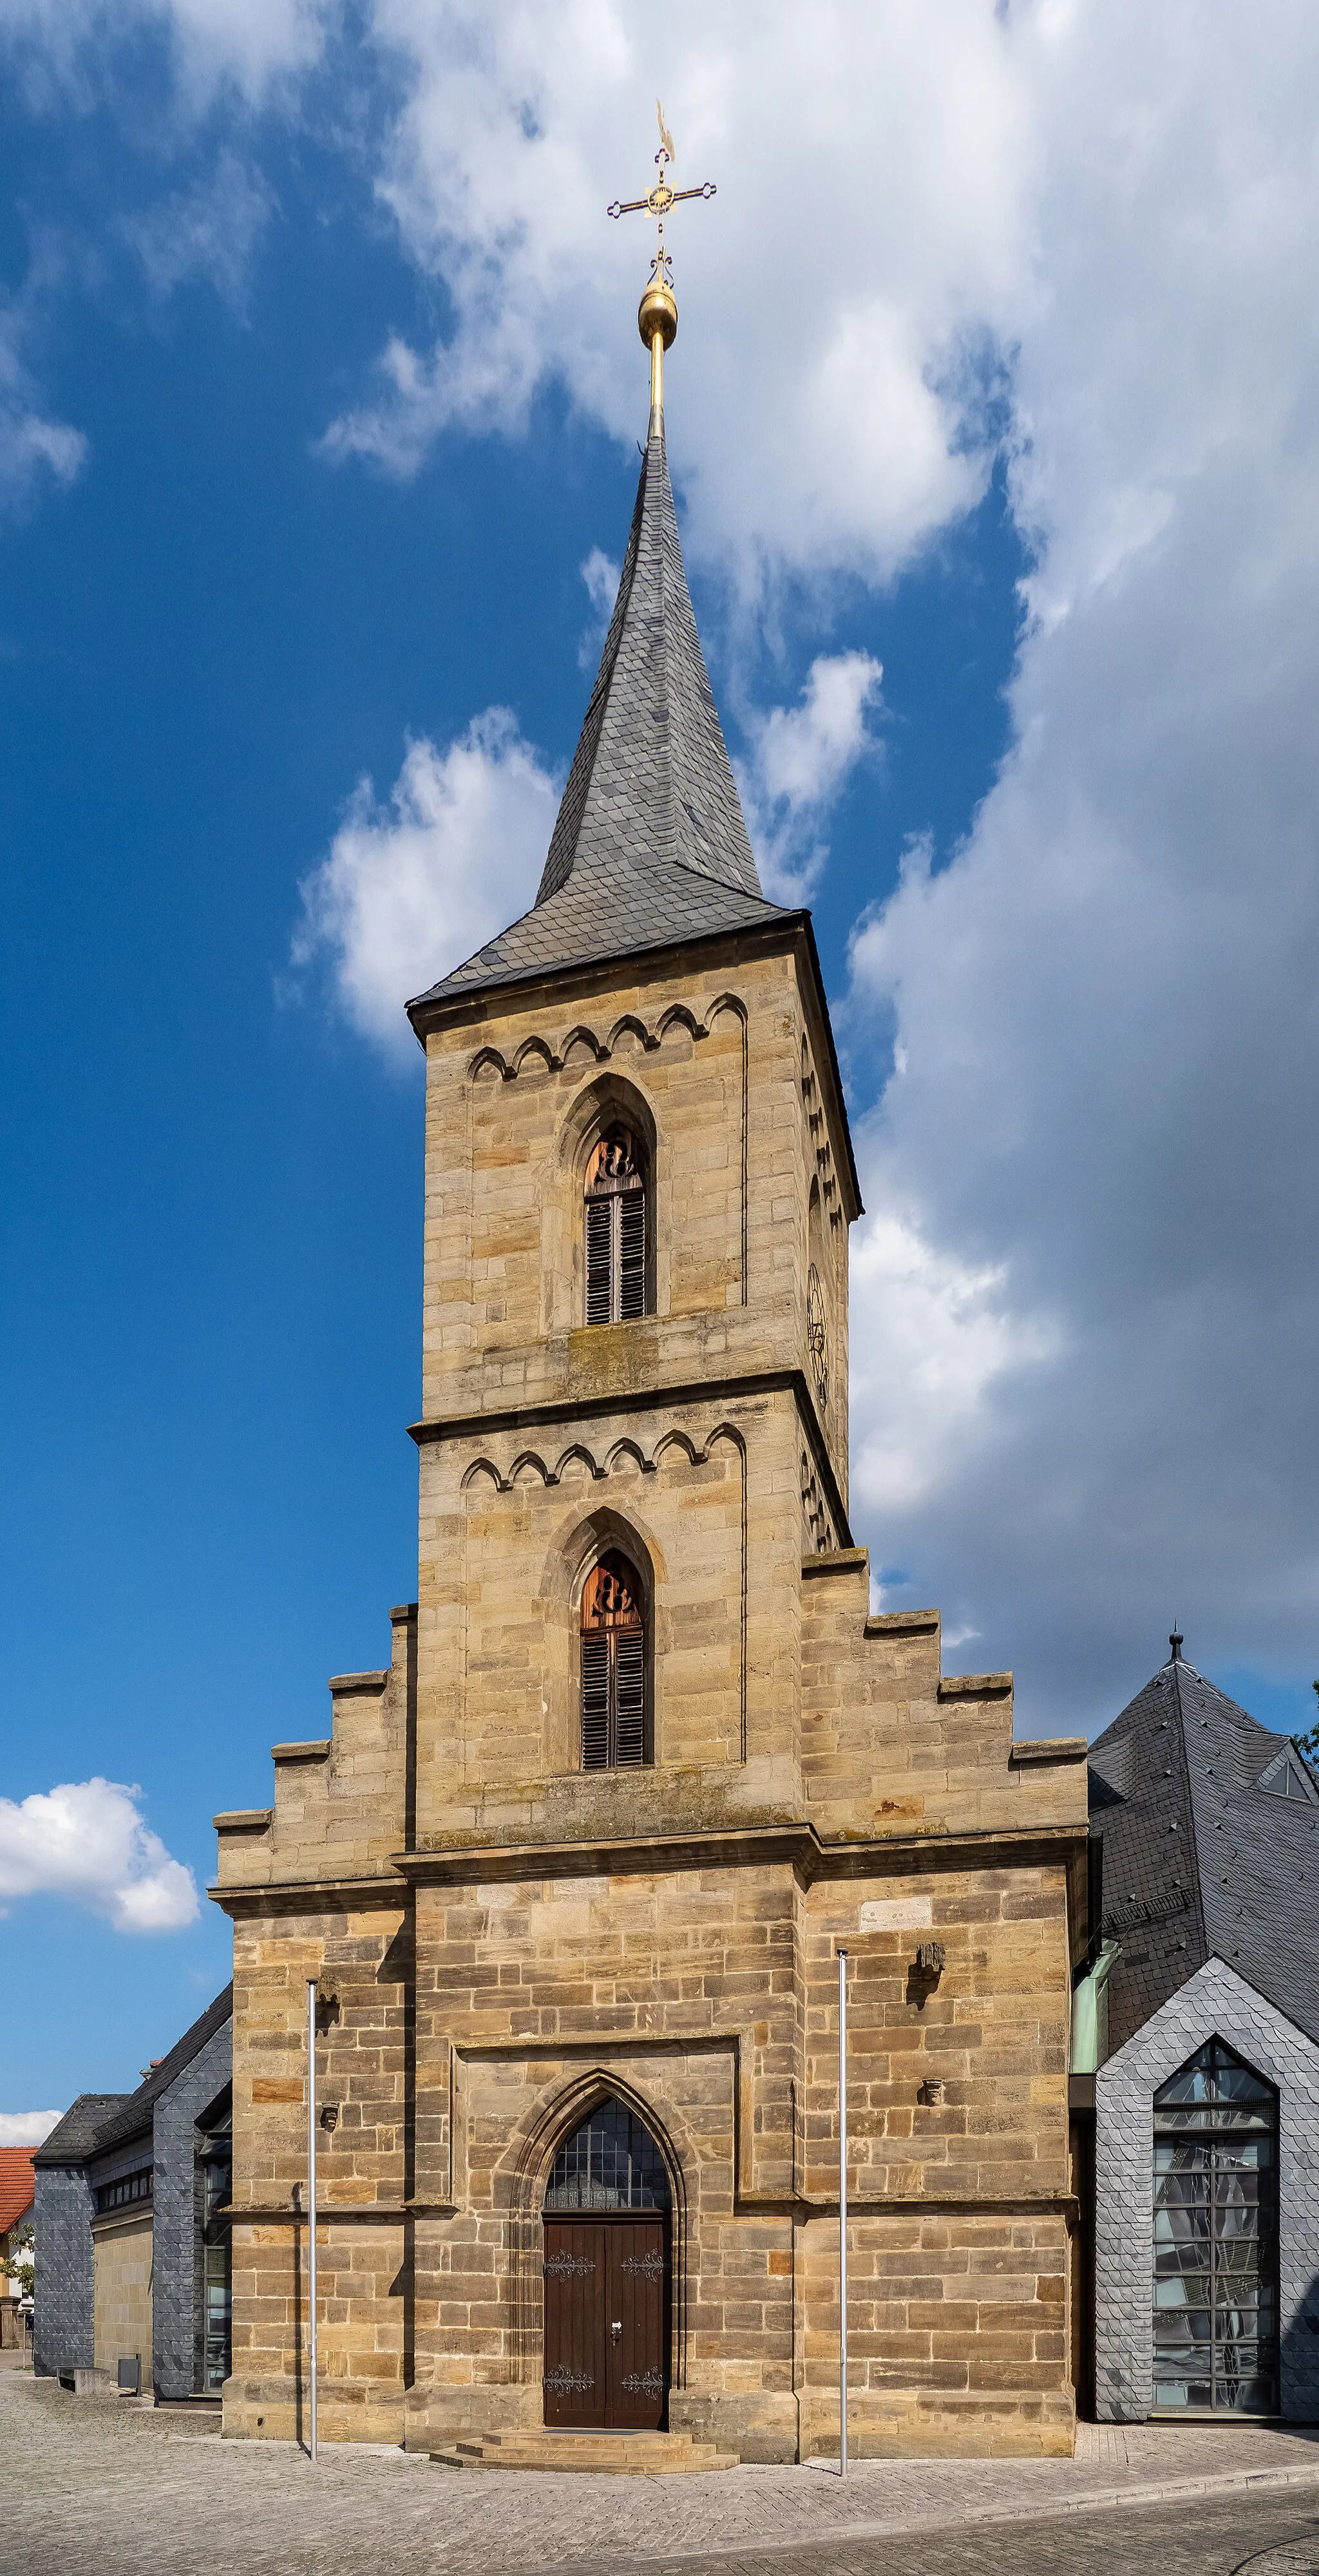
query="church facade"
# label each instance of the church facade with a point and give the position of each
(574, 1866)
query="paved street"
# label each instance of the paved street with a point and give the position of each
(96, 2488)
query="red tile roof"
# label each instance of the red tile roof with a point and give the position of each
(15, 2185)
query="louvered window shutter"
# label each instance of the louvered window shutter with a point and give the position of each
(629, 1696)
(595, 1704)
(631, 1254)
(599, 1264)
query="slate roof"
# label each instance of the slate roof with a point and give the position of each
(75, 2137)
(651, 845)
(100, 2120)
(1197, 1859)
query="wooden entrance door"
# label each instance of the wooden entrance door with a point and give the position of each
(606, 2322)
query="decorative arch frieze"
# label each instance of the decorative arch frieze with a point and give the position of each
(817, 1528)
(820, 1150)
(542, 1053)
(532, 1054)
(529, 1464)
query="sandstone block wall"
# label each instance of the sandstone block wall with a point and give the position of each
(122, 2291)
(462, 2040)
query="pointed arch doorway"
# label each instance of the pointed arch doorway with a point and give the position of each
(608, 2273)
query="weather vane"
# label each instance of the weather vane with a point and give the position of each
(657, 314)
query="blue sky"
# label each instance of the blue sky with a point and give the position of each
(1083, 1277)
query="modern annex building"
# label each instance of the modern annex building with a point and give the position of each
(574, 1868)
(1206, 2099)
(132, 2251)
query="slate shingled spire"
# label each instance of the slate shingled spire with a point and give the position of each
(651, 777)
(651, 844)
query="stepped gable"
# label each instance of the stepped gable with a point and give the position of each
(650, 847)
(1199, 1859)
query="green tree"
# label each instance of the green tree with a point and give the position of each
(18, 2260)
(1309, 1744)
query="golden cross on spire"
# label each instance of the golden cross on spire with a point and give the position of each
(657, 315)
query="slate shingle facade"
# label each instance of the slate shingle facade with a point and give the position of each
(1208, 1882)
(101, 2139)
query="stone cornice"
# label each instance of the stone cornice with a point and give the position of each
(800, 2204)
(651, 1399)
(797, 1845)
(734, 1846)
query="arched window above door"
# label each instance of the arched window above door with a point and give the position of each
(613, 1656)
(610, 2162)
(616, 1249)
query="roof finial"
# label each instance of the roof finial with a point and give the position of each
(657, 313)
(1176, 1641)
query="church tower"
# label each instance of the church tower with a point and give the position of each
(573, 1871)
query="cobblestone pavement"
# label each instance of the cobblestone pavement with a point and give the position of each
(97, 2487)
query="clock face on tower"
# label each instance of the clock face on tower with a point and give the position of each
(815, 1340)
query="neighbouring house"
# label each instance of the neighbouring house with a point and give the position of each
(1196, 2041)
(15, 2217)
(132, 2247)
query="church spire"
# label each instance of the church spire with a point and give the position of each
(650, 845)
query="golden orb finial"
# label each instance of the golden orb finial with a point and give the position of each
(657, 321)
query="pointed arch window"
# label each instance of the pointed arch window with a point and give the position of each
(1216, 2236)
(610, 2162)
(613, 1650)
(616, 1229)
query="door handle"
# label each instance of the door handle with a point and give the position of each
(616, 2329)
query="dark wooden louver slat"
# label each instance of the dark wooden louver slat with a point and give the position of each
(629, 1697)
(599, 1263)
(632, 1254)
(595, 1703)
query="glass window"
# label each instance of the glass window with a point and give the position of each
(217, 2268)
(122, 2194)
(1288, 1777)
(1216, 2236)
(611, 2162)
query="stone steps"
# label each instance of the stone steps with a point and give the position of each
(603, 2454)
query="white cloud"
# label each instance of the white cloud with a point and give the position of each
(249, 47)
(34, 451)
(1107, 1082)
(838, 296)
(803, 757)
(27, 2128)
(414, 885)
(933, 1339)
(601, 576)
(209, 231)
(87, 1840)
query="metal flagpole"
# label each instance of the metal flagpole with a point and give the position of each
(311, 2208)
(842, 2213)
